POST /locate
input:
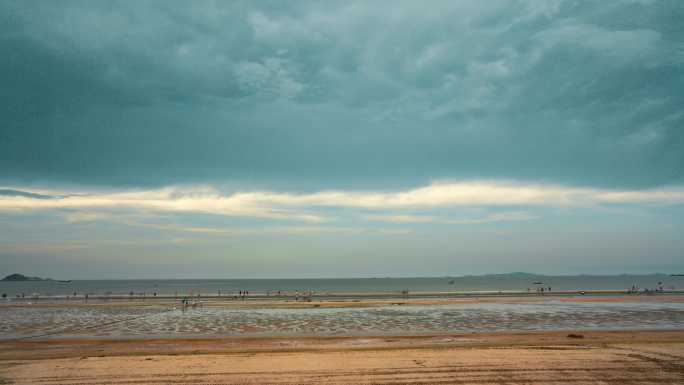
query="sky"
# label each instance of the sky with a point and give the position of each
(245, 139)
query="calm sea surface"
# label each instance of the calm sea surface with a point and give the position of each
(381, 285)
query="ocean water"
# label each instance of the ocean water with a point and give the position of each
(503, 282)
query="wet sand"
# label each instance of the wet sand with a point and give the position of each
(350, 299)
(642, 357)
(161, 319)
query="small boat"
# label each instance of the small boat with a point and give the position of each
(452, 282)
(65, 281)
(537, 283)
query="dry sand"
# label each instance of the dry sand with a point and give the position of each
(643, 357)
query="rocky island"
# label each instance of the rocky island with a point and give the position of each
(20, 278)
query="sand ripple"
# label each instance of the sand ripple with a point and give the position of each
(142, 321)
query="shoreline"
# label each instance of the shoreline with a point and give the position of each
(340, 296)
(369, 300)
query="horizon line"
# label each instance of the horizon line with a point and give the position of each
(341, 278)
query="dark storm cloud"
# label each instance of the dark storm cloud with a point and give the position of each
(341, 94)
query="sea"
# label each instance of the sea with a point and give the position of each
(514, 282)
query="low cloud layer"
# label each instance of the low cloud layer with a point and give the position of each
(304, 206)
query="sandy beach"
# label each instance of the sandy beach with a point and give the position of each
(647, 357)
(378, 341)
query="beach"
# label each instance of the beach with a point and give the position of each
(498, 339)
(644, 357)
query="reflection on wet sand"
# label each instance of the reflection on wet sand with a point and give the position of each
(172, 321)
